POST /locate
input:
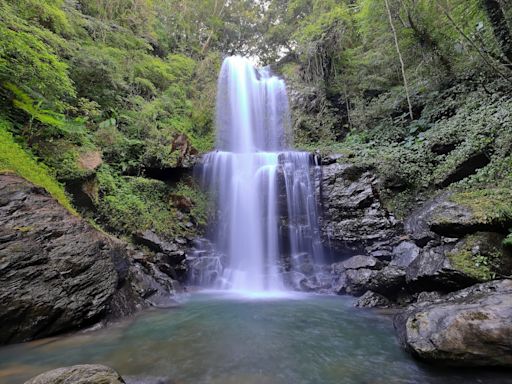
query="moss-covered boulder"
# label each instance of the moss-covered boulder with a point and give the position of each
(468, 212)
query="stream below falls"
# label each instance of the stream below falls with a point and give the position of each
(220, 337)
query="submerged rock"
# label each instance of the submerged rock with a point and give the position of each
(79, 374)
(470, 327)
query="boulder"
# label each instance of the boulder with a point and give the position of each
(79, 374)
(372, 300)
(404, 254)
(387, 281)
(433, 270)
(331, 158)
(56, 271)
(154, 242)
(482, 256)
(441, 216)
(470, 327)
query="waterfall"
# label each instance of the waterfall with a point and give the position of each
(265, 196)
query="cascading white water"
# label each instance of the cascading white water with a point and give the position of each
(250, 175)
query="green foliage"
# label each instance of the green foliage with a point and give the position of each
(34, 108)
(13, 158)
(490, 205)
(28, 63)
(131, 204)
(476, 266)
(128, 78)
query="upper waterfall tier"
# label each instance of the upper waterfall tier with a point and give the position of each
(252, 108)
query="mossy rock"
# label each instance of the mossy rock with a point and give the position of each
(472, 211)
(482, 256)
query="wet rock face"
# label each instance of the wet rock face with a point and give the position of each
(354, 221)
(470, 327)
(57, 273)
(79, 374)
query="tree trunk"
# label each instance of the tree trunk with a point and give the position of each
(426, 40)
(406, 86)
(499, 26)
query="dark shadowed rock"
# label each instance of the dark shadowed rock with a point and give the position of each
(56, 272)
(372, 300)
(432, 271)
(154, 242)
(331, 158)
(417, 225)
(470, 327)
(465, 168)
(441, 216)
(443, 148)
(79, 374)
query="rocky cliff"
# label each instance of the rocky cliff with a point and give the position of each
(58, 273)
(442, 246)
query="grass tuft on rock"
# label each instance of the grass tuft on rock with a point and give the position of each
(13, 158)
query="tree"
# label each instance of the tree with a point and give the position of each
(402, 64)
(500, 27)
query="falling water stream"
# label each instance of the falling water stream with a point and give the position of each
(264, 192)
(266, 227)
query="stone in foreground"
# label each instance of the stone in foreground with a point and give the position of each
(471, 327)
(79, 374)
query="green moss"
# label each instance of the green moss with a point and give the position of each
(477, 256)
(132, 204)
(14, 159)
(466, 262)
(489, 206)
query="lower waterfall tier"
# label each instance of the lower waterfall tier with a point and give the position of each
(266, 219)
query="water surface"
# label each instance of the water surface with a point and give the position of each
(224, 338)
